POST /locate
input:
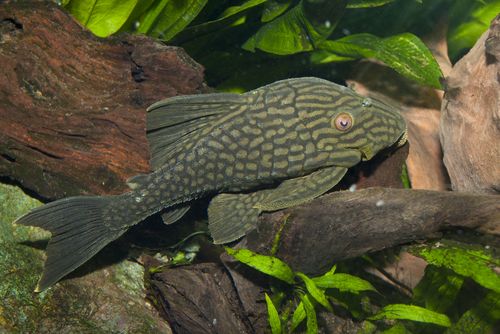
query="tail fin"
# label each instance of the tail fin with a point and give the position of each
(78, 232)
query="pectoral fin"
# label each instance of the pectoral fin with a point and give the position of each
(173, 215)
(301, 189)
(231, 216)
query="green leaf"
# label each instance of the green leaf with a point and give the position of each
(299, 29)
(312, 321)
(102, 17)
(231, 15)
(274, 318)
(269, 265)
(273, 9)
(397, 329)
(367, 3)
(412, 312)
(468, 32)
(472, 263)
(233, 10)
(317, 294)
(481, 319)
(438, 289)
(298, 316)
(285, 35)
(343, 282)
(405, 178)
(149, 18)
(174, 17)
(405, 53)
(324, 57)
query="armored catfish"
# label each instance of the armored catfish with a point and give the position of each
(271, 148)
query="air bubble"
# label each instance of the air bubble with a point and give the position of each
(346, 32)
(328, 24)
(137, 24)
(352, 188)
(367, 102)
(380, 203)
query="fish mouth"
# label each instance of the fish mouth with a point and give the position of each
(366, 153)
(402, 139)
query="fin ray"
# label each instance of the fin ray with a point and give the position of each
(170, 122)
(78, 233)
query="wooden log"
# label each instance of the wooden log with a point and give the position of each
(73, 106)
(347, 224)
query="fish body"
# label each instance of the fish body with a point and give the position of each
(271, 148)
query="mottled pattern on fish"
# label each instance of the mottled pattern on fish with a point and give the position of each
(279, 131)
(271, 148)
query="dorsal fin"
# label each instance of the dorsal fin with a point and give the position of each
(171, 121)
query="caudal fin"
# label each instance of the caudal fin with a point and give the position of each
(78, 232)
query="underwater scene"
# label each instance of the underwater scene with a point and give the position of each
(250, 166)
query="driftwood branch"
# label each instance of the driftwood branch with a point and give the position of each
(347, 224)
(72, 106)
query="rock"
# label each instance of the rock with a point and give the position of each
(470, 117)
(110, 300)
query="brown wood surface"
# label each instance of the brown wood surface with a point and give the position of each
(73, 106)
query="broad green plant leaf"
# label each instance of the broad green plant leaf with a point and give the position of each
(102, 17)
(412, 312)
(312, 321)
(317, 294)
(299, 29)
(405, 53)
(274, 318)
(172, 16)
(285, 35)
(298, 316)
(367, 3)
(230, 16)
(472, 263)
(343, 282)
(273, 9)
(269, 265)
(481, 319)
(467, 33)
(149, 18)
(438, 288)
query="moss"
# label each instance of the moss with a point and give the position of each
(110, 300)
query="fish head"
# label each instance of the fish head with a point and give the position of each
(368, 126)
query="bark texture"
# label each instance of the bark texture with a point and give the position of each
(470, 121)
(72, 106)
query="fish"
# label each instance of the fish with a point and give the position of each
(271, 148)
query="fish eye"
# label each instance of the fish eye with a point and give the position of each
(343, 121)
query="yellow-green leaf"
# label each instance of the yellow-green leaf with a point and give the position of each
(269, 265)
(298, 316)
(472, 263)
(312, 321)
(102, 17)
(405, 53)
(343, 282)
(412, 312)
(274, 318)
(317, 294)
(367, 3)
